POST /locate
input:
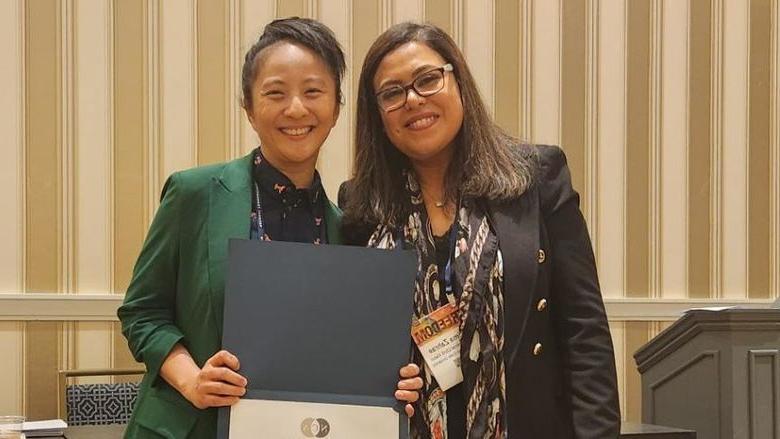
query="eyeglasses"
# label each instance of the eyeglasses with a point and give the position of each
(425, 84)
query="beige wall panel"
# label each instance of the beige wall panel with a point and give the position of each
(335, 161)
(775, 151)
(525, 87)
(674, 145)
(235, 60)
(574, 91)
(638, 149)
(479, 47)
(439, 12)
(254, 16)
(734, 165)
(636, 335)
(612, 148)
(654, 148)
(758, 150)
(12, 367)
(43, 153)
(93, 157)
(130, 140)
(153, 154)
(121, 356)
(178, 113)
(12, 167)
(590, 175)
(366, 26)
(507, 72)
(618, 331)
(289, 8)
(93, 347)
(67, 166)
(41, 362)
(716, 148)
(699, 155)
(546, 75)
(93, 146)
(130, 146)
(408, 10)
(212, 56)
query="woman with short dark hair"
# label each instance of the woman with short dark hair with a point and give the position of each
(502, 247)
(172, 312)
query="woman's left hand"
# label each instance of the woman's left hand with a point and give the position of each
(408, 387)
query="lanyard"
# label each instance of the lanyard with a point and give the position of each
(448, 267)
(258, 229)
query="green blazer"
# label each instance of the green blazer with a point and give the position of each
(176, 294)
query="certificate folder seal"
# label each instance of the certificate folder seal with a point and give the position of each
(321, 332)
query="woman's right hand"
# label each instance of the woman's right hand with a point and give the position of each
(217, 384)
(409, 387)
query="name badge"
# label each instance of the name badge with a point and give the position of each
(437, 335)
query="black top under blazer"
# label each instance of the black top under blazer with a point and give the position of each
(560, 364)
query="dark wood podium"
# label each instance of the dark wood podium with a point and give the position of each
(715, 372)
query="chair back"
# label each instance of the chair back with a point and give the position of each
(97, 404)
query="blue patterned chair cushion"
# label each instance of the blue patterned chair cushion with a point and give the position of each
(100, 404)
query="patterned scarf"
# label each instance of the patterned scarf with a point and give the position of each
(479, 276)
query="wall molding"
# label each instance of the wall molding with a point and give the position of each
(716, 149)
(592, 49)
(457, 25)
(654, 141)
(233, 74)
(154, 156)
(386, 14)
(67, 147)
(525, 98)
(774, 151)
(103, 306)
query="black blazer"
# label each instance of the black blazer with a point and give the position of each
(560, 364)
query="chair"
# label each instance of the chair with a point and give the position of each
(96, 404)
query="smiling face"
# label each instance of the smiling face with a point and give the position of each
(294, 104)
(425, 127)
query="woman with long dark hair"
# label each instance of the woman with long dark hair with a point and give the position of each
(500, 241)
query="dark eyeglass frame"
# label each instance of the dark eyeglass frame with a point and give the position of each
(412, 86)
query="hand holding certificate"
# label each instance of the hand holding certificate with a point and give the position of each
(321, 332)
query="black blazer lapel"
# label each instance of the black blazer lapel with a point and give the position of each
(517, 227)
(229, 209)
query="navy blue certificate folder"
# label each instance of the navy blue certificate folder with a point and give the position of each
(318, 323)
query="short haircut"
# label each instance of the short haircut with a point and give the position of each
(302, 31)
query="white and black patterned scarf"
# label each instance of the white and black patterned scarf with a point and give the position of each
(478, 282)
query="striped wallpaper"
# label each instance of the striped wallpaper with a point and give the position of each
(669, 111)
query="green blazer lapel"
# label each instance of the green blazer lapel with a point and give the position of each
(229, 209)
(333, 223)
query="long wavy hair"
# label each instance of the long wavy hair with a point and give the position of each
(487, 163)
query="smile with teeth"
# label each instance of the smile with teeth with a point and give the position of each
(424, 122)
(296, 131)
